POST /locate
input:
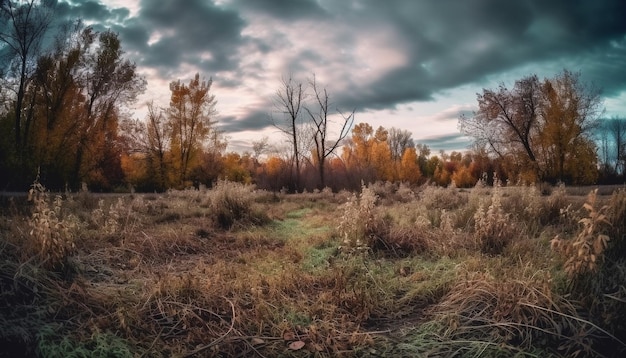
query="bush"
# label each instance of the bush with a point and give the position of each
(232, 203)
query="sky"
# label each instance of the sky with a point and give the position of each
(415, 65)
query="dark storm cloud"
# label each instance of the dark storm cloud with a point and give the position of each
(456, 43)
(93, 12)
(283, 9)
(195, 32)
(444, 44)
(188, 31)
(256, 120)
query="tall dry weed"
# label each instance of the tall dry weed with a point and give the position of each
(515, 315)
(493, 227)
(52, 230)
(596, 264)
(584, 253)
(358, 219)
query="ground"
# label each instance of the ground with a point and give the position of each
(392, 271)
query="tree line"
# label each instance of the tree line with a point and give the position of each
(65, 120)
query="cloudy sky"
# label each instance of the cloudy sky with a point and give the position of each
(410, 64)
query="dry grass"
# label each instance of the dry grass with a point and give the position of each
(231, 271)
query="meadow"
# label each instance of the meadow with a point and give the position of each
(390, 271)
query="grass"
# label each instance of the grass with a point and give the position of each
(389, 271)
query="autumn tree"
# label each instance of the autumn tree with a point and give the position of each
(76, 95)
(150, 141)
(367, 154)
(507, 120)
(409, 166)
(109, 82)
(190, 122)
(234, 169)
(260, 147)
(398, 141)
(542, 129)
(323, 145)
(569, 116)
(58, 92)
(423, 155)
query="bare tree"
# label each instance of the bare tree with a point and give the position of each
(506, 119)
(23, 25)
(614, 130)
(324, 146)
(260, 147)
(399, 140)
(289, 102)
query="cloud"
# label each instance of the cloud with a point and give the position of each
(453, 141)
(283, 9)
(257, 120)
(454, 113)
(371, 55)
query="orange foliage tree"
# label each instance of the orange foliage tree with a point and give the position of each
(409, 166)
(190, 121)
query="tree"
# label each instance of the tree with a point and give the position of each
(539, 128)
(613, 132)
(367, 154)
(506, 120)
(157, 146)
(399, 140)
(324, 147)
(23, 25)
(289, 102)
(409, 168)
(76, 95)
(109, 82)
(260, 147)
(569, 114)
(150, 139)
(190, 121)
(58, 91)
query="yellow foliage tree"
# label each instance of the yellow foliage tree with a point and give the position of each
(190, 121)
(409, 166)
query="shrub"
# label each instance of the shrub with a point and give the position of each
(435, 197)
(232, 203)
(595, 262)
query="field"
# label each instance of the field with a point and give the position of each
(391, 271)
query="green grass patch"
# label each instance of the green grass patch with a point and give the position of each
(318, 257)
